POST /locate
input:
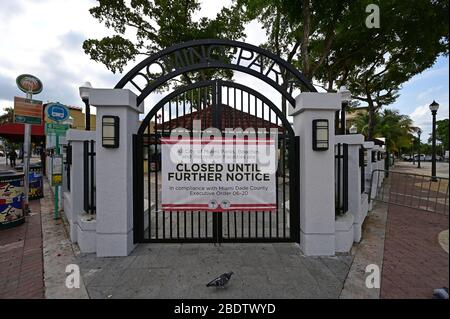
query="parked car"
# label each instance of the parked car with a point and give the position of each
(406, 157)
(422, 157)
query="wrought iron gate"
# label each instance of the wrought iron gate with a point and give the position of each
(223, 105)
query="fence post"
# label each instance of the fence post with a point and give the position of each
(354, 142)
(317, 206)
(114, 172)
(73, 204)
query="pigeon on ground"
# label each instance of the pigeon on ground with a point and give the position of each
(440, 293)
(220, 281)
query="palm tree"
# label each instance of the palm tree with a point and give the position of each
(8, 116)
(395, 127)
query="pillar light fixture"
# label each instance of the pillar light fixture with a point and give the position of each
(346, 96)
(110, 131)
(84, 94)
(320, 135)
(353, 129)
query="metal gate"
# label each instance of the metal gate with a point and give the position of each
(422, 192)
(223, 105)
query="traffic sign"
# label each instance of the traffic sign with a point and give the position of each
(57, 112)
(56, 128)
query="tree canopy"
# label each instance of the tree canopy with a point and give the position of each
(7, 116)
(145, 27)
(328, 41)
(331, 44)
(442, 132)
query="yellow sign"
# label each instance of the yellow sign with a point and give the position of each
(56, 179)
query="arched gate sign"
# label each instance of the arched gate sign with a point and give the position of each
(238, 115)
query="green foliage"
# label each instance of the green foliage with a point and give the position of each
(395, 127)
(374, 63)
(442, 131)
(330, 43)
(8, 116)
(145, 27)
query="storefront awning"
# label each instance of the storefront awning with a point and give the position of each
(15, 132)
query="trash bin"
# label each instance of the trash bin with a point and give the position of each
(36, 182)
(11, 199)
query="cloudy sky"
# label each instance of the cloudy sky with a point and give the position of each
(44, 38)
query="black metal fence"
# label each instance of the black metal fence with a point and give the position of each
(341, 178)
(89, 177)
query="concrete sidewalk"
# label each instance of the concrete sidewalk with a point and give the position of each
(182, 271)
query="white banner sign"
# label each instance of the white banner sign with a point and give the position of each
(220, 175)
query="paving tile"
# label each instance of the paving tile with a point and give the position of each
(414, 263)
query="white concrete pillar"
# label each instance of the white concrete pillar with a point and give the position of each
(354, 142)
(368, 169)
(317, 208)
(74, 201)
(114, 172)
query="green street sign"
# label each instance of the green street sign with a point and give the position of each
(27, 120)
(56, 128)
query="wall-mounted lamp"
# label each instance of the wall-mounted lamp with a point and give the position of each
(320, 135)
(362, 157)
(374, 156)
(110, 131)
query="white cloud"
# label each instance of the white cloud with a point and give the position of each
(45, 38)
(428, 74)
(422, 118)
(427, 94)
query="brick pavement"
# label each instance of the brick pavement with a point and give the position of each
(414, 262)
(21, 262)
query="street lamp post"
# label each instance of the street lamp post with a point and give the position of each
(345, 97)
(84, 94)
(419, 131)
(433, 108)
(412, 152)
